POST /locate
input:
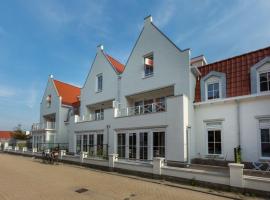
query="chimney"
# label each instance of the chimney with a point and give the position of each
(100, 47)
(148, 20)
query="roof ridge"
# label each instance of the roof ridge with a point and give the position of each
(233, 57)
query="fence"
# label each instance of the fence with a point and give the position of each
(233, 178)
(50, 146)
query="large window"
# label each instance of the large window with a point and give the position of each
(265, 142)
(213, 90)
(143, 145)
(158, 144)
(214, 142)
(99, 83)
(121, 145)
(132, 146)
(99, 144)
(78, 143)
(85, 143)
(148, 65)
(265, 81)
(99, 114)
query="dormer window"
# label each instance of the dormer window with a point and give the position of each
(148, 65)
(213, 86)
(264, 81)
(213, 90)
(99, 83)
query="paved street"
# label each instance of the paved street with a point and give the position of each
(26, 178)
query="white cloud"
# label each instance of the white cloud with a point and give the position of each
(165, 12)
(6, 91)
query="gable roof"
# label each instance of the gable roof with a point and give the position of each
(5, 134)
(69, 93)
(237, 71)
(119, 67)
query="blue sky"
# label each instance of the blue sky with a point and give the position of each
(58, 37)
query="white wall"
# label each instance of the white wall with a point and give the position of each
(171, 66)
(250, 109)
(109, 92)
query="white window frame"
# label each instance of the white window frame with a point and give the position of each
(259, 72)
(262, 126)
(97, 83)
(144, 57)
(214, 126)
(212, 80)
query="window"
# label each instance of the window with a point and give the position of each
(78, 143)
(214, 142)
(265, 142)
(143, 145)
(91, 145)
(265, 81)
(99, 83)
(148, 106)
(148, 65)
(99, 144)
(159, 144)
(121, 145)
(85, 143)
(132, 146)
(213, 90)
(99, 114)
(265, 137)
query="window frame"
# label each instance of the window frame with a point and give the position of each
(259, 81)
(212, 80)
(262, 126)
(97, 83)
(214, 126)
(149, 55)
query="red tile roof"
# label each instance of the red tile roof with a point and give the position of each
(69, 93)
(237, 70)
(5, 134)
(119, 67)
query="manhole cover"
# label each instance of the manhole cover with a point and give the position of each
(81, 190)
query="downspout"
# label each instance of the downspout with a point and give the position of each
(238, 123)
(188, 132)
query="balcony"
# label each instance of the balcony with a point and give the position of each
(43, 126)
(141, 110)
(90, 117)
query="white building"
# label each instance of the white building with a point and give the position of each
(163, 103)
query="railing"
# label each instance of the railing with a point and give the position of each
(133, 152)
(43, 126)
(139, 110)
(49, 146)
(91, 117)
(94, 151)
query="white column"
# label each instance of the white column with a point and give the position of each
(236, 175)
(83, 155)
(127, 145)
(158, 163)
(150, 145)
(112, 158)
(137, 145)
(24, 149)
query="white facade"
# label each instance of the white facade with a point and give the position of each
(141, 117)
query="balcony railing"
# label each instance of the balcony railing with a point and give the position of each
(43, 126)
(91, 117)
(140, 110)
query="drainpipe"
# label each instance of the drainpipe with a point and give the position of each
(188, 132)
(108, 127)
(238, 123)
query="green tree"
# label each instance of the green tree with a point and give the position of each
(19, 133)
